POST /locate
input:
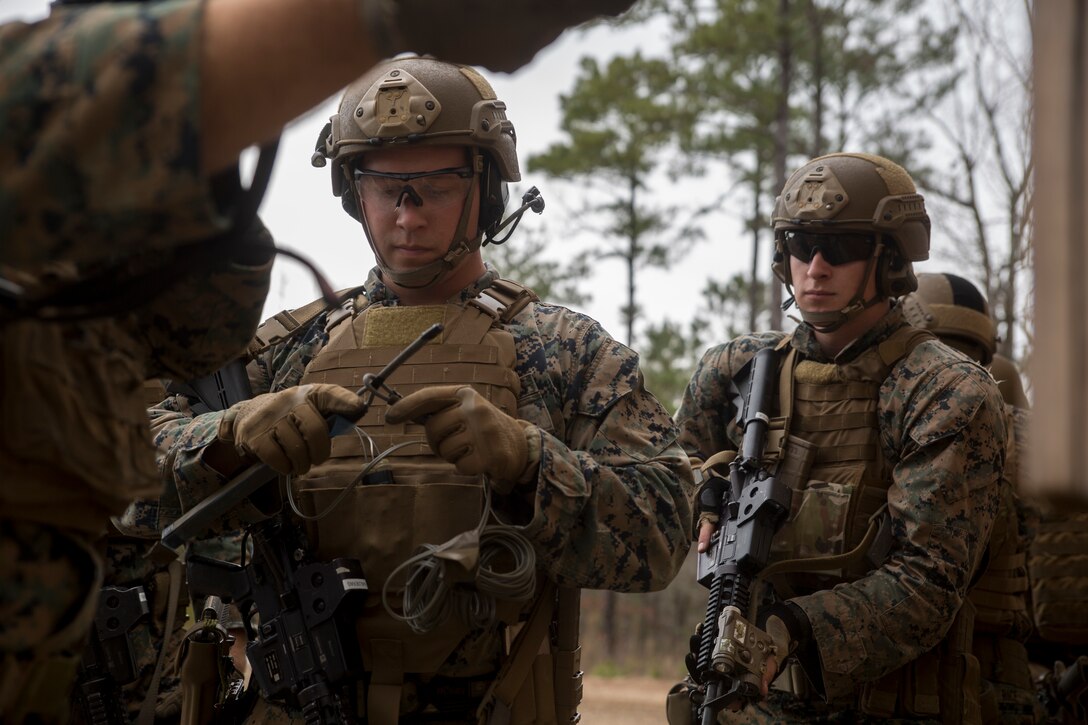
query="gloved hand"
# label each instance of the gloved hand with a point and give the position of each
(790, 629)
(467, 430)
(499, 36)
(287, 430)
(709, 500)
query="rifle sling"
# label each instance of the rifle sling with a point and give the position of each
(496, 706)
(147, 709)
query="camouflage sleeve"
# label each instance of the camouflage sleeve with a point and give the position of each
(175, 325)
(943, 427)
(100, 152)
(611, 508)
(707, 412)
(181, 436)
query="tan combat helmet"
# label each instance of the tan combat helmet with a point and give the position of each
(422, 101)
(958, 313)
(855, 193)
(954, 310)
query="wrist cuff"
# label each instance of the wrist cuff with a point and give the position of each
(225, 430)
(532, 454)
(795, 619)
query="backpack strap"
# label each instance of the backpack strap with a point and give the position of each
(286, 324)
(505, 299)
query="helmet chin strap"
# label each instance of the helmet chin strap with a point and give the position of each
(832, 321)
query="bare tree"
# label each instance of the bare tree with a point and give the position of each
(983, 192)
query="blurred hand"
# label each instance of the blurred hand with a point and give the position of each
(499, 36)
(287, 430)
(467, 430)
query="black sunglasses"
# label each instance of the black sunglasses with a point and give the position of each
(835, 247)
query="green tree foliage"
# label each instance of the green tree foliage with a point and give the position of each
(618, 121)
(980, 195)
(775, 82)
(667, 359)
(523, 260)
(723, 314)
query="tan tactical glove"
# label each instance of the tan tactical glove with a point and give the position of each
(287, 430)
(471, 433)
(500, 36)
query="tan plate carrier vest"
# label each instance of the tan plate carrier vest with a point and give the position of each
(827, 448)
(383, 524)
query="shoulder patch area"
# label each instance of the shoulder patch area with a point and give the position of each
(613, 374)
(947, 390)
(735, 354)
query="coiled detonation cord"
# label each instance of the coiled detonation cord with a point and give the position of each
(506, 568)
(430, 596)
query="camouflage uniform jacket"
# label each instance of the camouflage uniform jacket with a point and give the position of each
(611, 506)
(942, 431)
(99, 160)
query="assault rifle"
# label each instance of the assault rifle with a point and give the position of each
(218, 390)
(299, 614)
(108, 661)
(730, 661)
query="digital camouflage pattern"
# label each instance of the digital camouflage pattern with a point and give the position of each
(99, 108)
(98, 159)
(942, 432)
(611, 505)
(1003, 621)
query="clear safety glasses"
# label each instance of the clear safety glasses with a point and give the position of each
(433, 190)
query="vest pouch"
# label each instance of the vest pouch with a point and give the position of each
(382, 526)
(818, 526)
(1007, 693)
(535, 702)
(796, 465)
(922, 686)
(960, 674)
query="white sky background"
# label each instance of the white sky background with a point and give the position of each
(303, 215)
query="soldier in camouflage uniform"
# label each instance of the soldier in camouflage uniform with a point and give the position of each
(1048, 556)
(530, 401)
(952, 308)
(122, 125)
(892, 444)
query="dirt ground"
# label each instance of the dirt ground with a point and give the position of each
(623, 700)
